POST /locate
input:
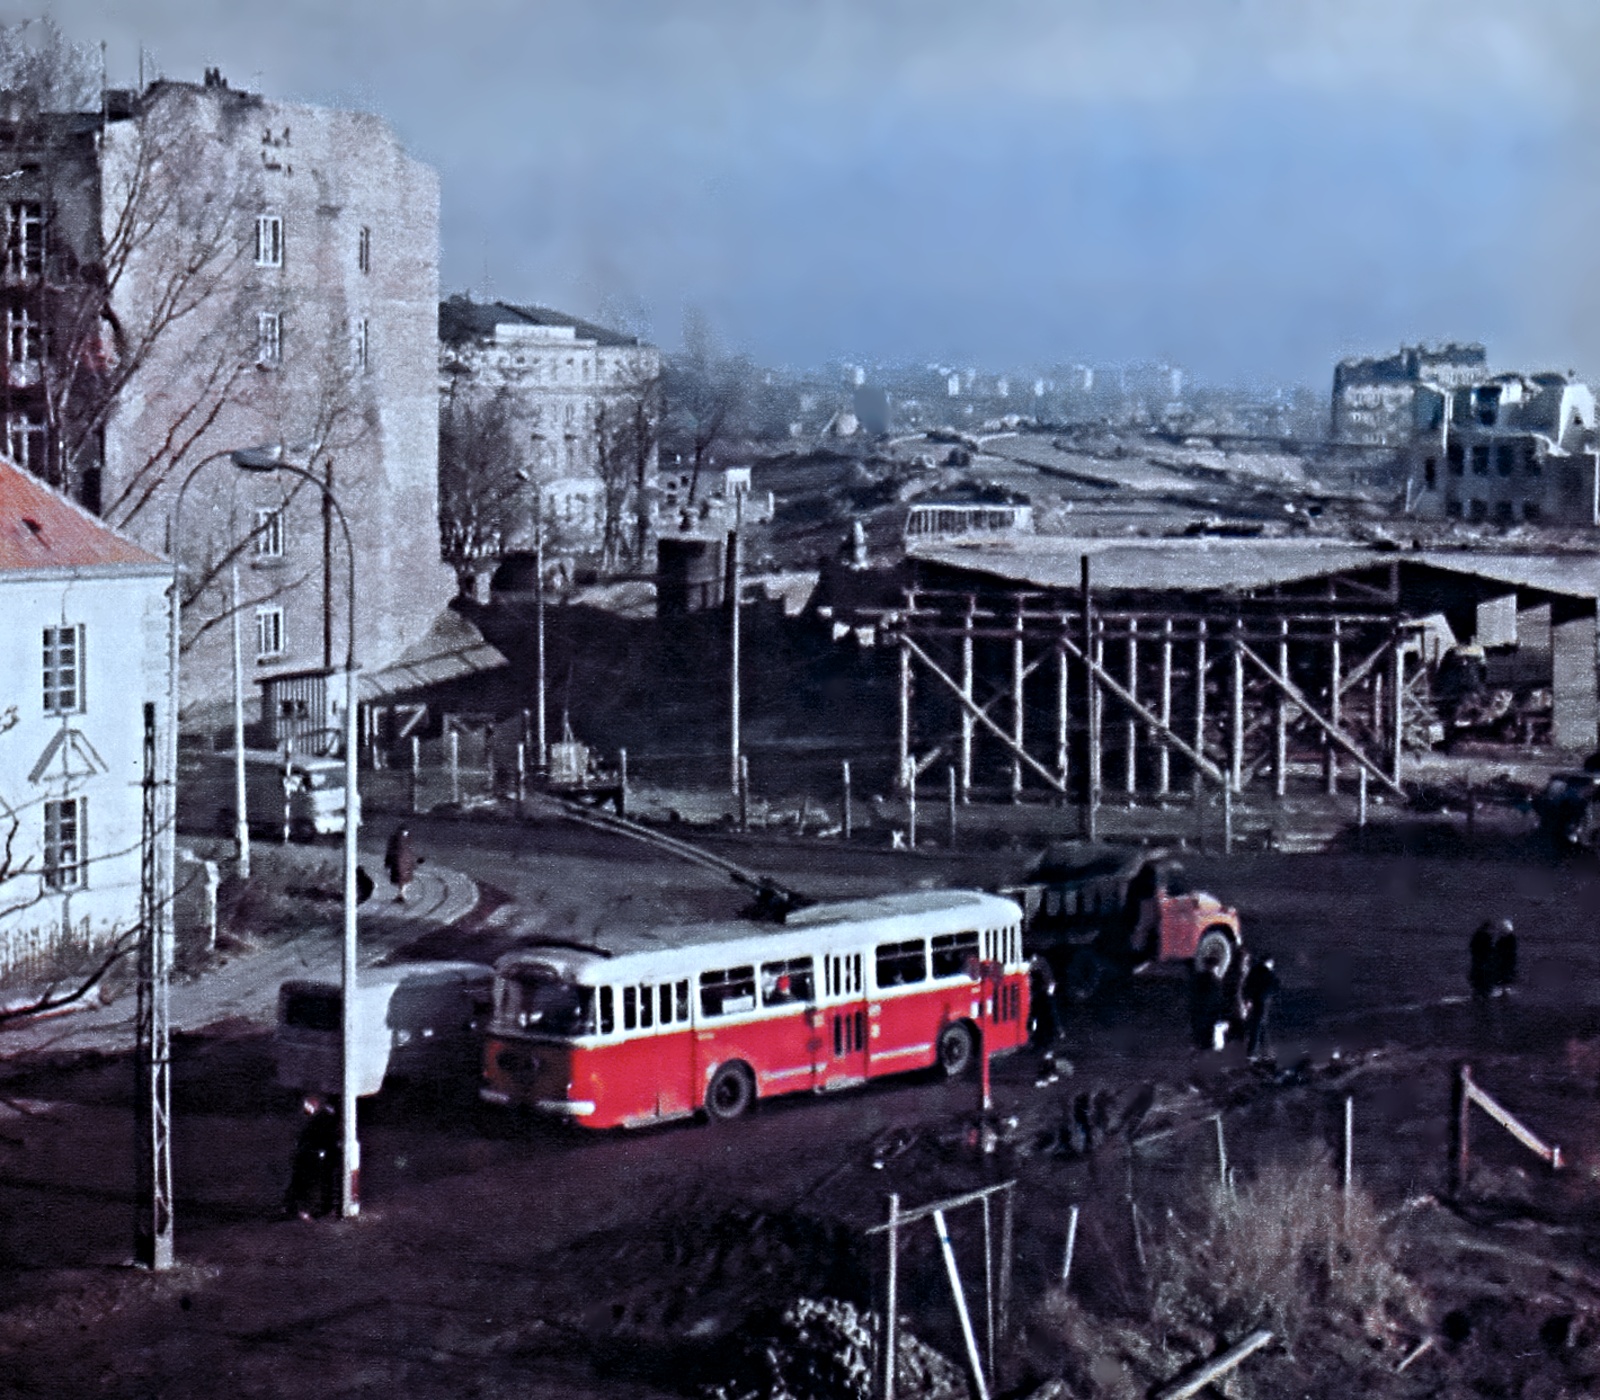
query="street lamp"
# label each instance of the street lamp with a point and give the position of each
(274, 458)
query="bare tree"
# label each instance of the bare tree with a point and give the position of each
(627, 435)
(482, 481)
(706, 391)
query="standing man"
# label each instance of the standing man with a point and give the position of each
(400, 860)
(1480, 959)
(1505, 959)
(1260, 986)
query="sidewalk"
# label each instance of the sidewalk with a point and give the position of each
(243, 986)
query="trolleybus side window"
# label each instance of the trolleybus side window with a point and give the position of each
(647, 1007)
(952, 952)
(842, 975)
(786, 982)
(630, 1008)
(724, 992)
(899, 963)
(681, 996)
(608, 1021)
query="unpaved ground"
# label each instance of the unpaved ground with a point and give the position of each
(495, 1259)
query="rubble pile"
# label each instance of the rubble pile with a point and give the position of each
(822, 1349)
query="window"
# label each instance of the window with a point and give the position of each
(1505, 458)
(1480, 459)
(24, 238)
(1458, 459)
(64, 864)
(608, 1020)
(269, 338)
(269, 241)
(1452, 510)
(269, 533)
(786, 982)
(364, 249)
(1531, 512)
(1477, 511)
(1504, 514)
(1531, 465)
(358, 345)
(724, 992)
(269, 632)
(25, 439)
(952, 952)
(1430, 473)
(900, 963)
(24, 346)
(63, 670)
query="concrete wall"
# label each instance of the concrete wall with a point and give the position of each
(1572, 655)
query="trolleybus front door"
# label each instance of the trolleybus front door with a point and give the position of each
(843, 1044)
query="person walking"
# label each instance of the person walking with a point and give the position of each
(1235, 1008)
(1480, 958)
(1260, 986)
(400, 860)
(1505, 959)
(314, 1177)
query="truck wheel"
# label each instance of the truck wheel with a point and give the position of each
(1215, 951)
(955, 1050)
(731, 1092)
(1086, 976)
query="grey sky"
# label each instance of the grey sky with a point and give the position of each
(1250, 187)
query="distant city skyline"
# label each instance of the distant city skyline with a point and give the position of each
(1246, 189)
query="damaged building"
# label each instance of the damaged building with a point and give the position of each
(1374, 397)
(1511, 450)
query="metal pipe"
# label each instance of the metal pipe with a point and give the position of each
(973, 1360)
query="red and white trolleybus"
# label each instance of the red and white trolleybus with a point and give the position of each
(711, 1017)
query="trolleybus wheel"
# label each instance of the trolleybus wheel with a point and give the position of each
(731, 1092)
(1215, 951)
(955, 1050)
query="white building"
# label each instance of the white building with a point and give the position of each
(85, 646)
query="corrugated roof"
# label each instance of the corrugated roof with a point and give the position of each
(1241, 565)
(461, 318)
(42, 529)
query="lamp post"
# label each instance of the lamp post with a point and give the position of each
(273, 459)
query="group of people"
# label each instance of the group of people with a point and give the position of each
(1234, 1004)
(1492, 958)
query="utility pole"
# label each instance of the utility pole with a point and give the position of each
(153, 1227)
(734, 581)
(538, 595)
(327, 567)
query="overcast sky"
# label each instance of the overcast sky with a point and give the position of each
(1250, 188)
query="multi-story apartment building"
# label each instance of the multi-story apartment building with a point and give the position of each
(578, 408)
(1511, 450)
(195, 270)
(84, 642)
(1373, 399)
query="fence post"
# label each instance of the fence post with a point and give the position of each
(522, 774)
(1459, 1105)
(744, 793)
(1222, 1153)
(455, 767)
(892, 1300)
(847, 813)
(1361, 799)
(622, 782)
(1227, 819)
(945, 1248)
(1349, 1145)
(416, 775)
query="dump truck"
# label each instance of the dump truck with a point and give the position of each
(1095, 913)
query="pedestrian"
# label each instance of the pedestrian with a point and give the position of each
(1480, 958)
(1235, 1009)
(1260, 986)
(400, 860)
(314, 1176)
(1205, 1006)
(1505, 959)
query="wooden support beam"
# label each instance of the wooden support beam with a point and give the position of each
(1063, 738)
(982, 718)
(1017, 711)
(1099, 673)
(1164, 758)
(1397, 706)
(1335, 734)
(966, 717)
(1199, 698)
(938, 752)
(1130, 772)
(1097, 717)
(1236, 714)
(1280, 766)
(905, 713)
(1335, 692)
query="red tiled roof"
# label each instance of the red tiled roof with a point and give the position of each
(42, 529)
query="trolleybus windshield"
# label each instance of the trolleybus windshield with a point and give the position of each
(536, 999)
